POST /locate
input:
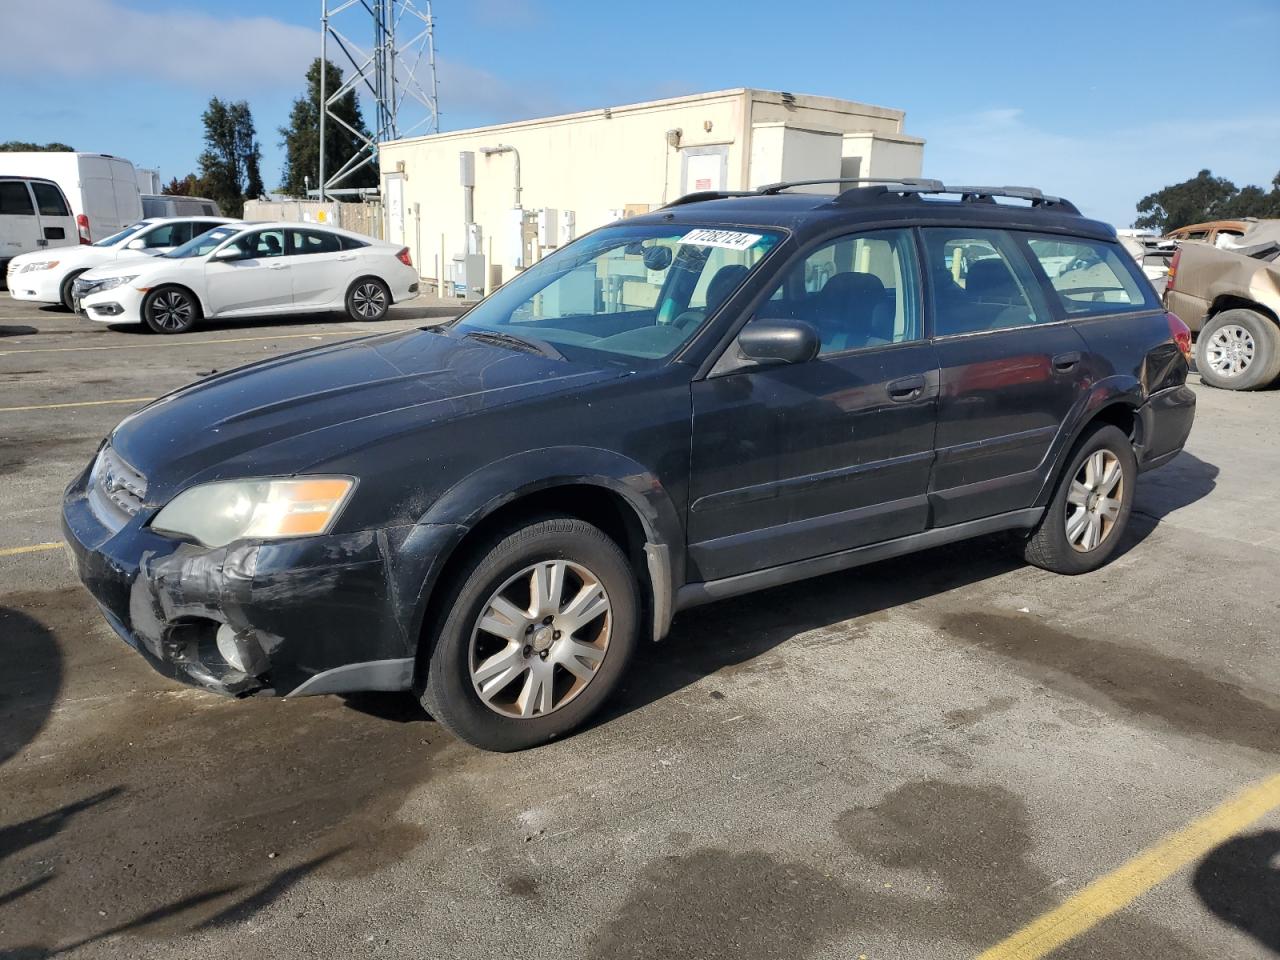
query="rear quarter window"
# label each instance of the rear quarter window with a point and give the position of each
(1091, 276)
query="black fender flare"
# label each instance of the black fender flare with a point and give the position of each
(1117, 390)
(473, 498)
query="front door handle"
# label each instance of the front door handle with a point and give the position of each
(908, 388)
(278, 266)
(1066, 361)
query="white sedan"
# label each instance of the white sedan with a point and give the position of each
(252, 270)
(47, 276)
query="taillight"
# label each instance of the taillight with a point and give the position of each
(1181, 334)
(1173, 270)
(403, 257)
(82, 225)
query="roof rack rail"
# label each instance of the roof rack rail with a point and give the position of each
(701, 195)
(770, 189)
(983, 194)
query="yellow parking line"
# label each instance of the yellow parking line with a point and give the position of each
(181, 342)
(34, 548)
(81, 403)
(1112, 893)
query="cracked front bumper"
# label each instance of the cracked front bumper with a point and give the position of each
(327, 614)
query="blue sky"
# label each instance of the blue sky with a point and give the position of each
(1098, 101)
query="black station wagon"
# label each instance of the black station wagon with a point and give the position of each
(735, 391)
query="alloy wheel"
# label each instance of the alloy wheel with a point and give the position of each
(540, 639)
(1093, 500)
(172, 310)
(1230, 350)
(370, 300)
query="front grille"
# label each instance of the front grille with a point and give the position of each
(116, 490)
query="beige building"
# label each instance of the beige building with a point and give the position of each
(579, 171)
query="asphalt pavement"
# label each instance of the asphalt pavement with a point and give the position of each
(936, 756)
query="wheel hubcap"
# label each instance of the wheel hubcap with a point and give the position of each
(172, 311)
(369, 300)
(540, 639)
(1230, 350)
(1093, 500)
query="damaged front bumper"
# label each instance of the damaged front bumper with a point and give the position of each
(324, 614)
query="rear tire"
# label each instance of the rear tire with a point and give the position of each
(515, 665)
(68, 302)
(1089, 512)
(1239, 350)
(368, 300)
(170, 310)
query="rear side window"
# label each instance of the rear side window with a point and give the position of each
(1090, 276)
(307, 241)
(350, 243)
(14, 199)
(980, 282)
(207, 210)
(50, 200)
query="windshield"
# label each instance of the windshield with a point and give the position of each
(123, 235)
(625, 291)
(205, 243)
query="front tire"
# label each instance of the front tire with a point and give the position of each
(64, 292)
(368, 300)
(540, 626)
(170, 310)
(1239, 350)
(1089, 511)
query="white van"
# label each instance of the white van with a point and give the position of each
(102, 189)
(161, 205)
(34, 216)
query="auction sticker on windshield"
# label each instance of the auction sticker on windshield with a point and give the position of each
(729, 239)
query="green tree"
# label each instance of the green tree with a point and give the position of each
(301, 138)
(229, 165)
(22, 146)
(1206, 197)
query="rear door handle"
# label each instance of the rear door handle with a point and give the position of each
(908, 388)
(278, 266)
(1065, 361)
(347, 256)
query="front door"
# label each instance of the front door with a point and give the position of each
(258, 283)
(1012, 372)
(791, 462)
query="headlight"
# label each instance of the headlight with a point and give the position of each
(110, 283)
(38, 265)
(218, 513)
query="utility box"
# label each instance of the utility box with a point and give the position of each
(468, 276)
(568, 227)
(548, 228)
(475, 239)
(467, 168)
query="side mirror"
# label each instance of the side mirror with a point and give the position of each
(228, 253)
(779, 341)
(138, 244)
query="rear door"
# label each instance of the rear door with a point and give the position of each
(259, 283)
(19, 225)
(1012, 373)
(321, 269)
(57, 225)
(796, 461)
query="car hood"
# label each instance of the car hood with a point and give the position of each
(282, 415)
(140, 262)
(72, 256)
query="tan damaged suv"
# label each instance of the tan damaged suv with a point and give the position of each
(1231, 298)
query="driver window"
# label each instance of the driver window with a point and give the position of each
(858, 291)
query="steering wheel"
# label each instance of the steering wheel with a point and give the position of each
(689, 318)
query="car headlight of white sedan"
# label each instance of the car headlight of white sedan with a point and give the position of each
(86, 287)
(216, 514)
(38, 265)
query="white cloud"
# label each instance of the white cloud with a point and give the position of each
(232, 56)
(1104, 172)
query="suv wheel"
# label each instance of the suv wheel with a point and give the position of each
(1089, 511)
(368, 299)
(68, 302)
(170, 310)
(1239, 350)
(539, 629)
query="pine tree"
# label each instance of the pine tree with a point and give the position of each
(229, 165)
(301, 138)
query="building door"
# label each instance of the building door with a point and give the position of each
(394, 199)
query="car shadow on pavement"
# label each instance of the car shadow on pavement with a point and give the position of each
(1178, 484)
(7, 330)
(30, 678)
(726, 634)
(1239, 882)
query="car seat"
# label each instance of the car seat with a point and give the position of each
(850, 311)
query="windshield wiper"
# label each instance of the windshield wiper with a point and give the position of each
(527, 344)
